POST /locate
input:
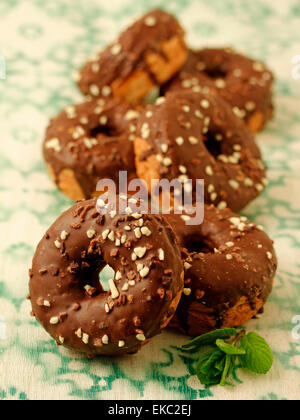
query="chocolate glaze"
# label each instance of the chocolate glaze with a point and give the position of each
(93, 140)
(228, 258)
(216, 146)
(68, 299)
(134, 43)
(242, 82)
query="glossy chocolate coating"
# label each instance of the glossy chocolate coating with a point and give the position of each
(196, 136)
(228, 258)
(127, 54)
(68, 299)
(244, 83)
(93, 140)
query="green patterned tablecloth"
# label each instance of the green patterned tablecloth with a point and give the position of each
(43, 42)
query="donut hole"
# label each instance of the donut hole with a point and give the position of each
(215, 73)
(107, 130)
(94, 276)
(213, 146)
(194, 244)
(89, 276)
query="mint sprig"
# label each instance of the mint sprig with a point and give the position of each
(209, 338)
(258, 355)
(227, 348)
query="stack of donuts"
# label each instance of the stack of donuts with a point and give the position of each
(201, 125)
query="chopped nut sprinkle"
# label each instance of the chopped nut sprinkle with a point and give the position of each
(105, 339)
(248, 182)
(113, 289)
(103, 120)
(64, 234)
(161, 254)
(54, 144)
(140, 251)
(209, 171)
(138, 233)
(94, 90)
(116, 49)
(160, 100)
(234, 184)
(146, 231)
(105, 234)
(187, 291)
(141, 337)
(187, 265)
(125, 287)
(164, 147)
(150, 21)
(79, 333)
(193, 140)
(204, 103)
(179, 141)
(106, 91)
(54, 320)
(229, 244)
(118, 275)
(111, 236)
(167, 161)
(144, 272)
(91, 233)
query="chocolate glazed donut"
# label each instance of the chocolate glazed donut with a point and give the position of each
(68, 299)
(244, 83)
(189, 135)
(146, 55)
(230, 264)
(90, 141)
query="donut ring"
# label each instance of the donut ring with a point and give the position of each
(242, 82)
(229, 270)
(87, 142)
(147, 54)
(68, 299)
(189, 135)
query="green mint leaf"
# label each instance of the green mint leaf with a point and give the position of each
(220, 364)
(204, 358)
(208, 379)
(229, 362)
(206, 371)
(206, 362)
(209, 338)
(229, 348)
(258, 357)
